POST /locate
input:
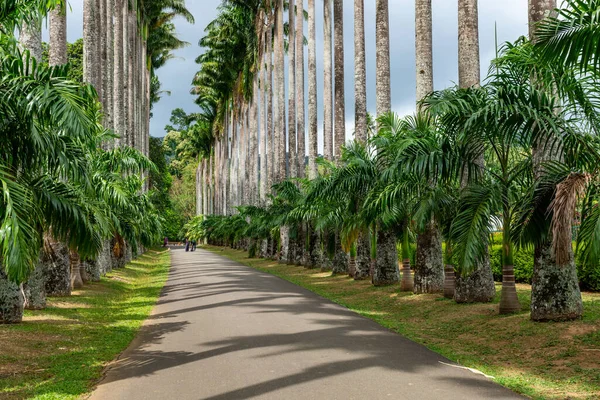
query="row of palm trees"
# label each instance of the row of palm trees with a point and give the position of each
(513, 152)
(73, 158)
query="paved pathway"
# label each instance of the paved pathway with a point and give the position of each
(225, 331)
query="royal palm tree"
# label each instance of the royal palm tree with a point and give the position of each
(58, 36)
(118, 64)
(312, 92)
(300, 114)
(279, 84)
(292, 156)
(382, 60)
(360, 73)
(328, 81)
(473, 284)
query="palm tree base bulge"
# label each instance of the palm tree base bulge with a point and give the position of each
(477, 287)
(509, 302)
(35, 289)
(407, 284)
(449, 281)
(11, 300)
(429, 268)
(555, 294)
(386, 270)
(57, 266)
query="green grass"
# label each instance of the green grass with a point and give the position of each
(540, 360)
(60, 352)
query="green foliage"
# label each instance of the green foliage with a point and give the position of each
(72, 343)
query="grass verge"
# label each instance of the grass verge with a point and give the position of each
(540, 360)
(60, 352)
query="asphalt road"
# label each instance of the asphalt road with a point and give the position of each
(225, 331)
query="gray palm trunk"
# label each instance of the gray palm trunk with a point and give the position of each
(269, 108)
(34, 289)
(341, 258)
(360, 73)
(292, 89)
(300, 115)
(386, 260)
(31, 39)
(429, 267)
(382, 58)
(118, 88)
(312, 92)
(57, 54)
(89, 43)
(131, 28)
(555, 293)
(477, 286)
(279, 83)
(109, 63)
(254, 144)
(263, 124)
(327, 82)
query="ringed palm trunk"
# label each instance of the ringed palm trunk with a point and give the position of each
(58, 37)
(292, 90)
(300, 115)
(360, 73)
(555, 293)
(269, 108)
(477, 286)
(386, 260)
(109, 67)
(312, 92)
(90, 34)
(429, 268)
(328, 82)
(382, 58)
(118, 90)
(34, 289)
(131, 96)
(280, 131)
(11, 300)
(264, 130)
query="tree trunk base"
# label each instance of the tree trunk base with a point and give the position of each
(479, 287)
(386, 270)
(509, 301)
(363, 257)
(11, 300)
(407, 284)
(429, 268)
(57, 266)
(35, 289)
(555, 293)
(449, 281)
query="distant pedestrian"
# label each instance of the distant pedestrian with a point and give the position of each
(187, 245)
(193, 245)
(165, 241)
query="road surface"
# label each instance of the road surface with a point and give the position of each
(222, 330)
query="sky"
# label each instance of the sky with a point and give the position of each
(509, 17)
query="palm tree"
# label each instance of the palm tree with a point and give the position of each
(300, 115)
(423, 46)
(292, 88)
(340, 98)
(555, 289)
(328, 82)
(118, 85)
(312, 92)
(58, 36)
(109, 67)
(360, 73)
(279, 83)
(382, 60)
(474, 284)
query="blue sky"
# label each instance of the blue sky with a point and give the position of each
(510, 17)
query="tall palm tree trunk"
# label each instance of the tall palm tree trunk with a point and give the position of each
(327, 82)
(360, 73)
(253, 153)
(58, 36)
(280, 131)
(429, 267)
(269, 108)
(555, 293)
(341, 260)
(263, 125)
(118, 88)
(386, 257)
(312, 93)
(110, 60)
(292, 89)
(300, 115)
(131, 72)
(479, 285)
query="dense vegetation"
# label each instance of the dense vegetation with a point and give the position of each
(516, 154)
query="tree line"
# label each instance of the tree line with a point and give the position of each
(73, 164)
(516, 152)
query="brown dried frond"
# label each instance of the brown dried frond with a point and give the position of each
(563, 207)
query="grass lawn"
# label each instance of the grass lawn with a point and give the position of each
(60, 352)
(540, 360)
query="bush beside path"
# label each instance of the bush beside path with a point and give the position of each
(543, 361)
(61, 351)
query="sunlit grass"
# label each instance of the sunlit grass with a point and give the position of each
(60, 352)
(541, 360)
